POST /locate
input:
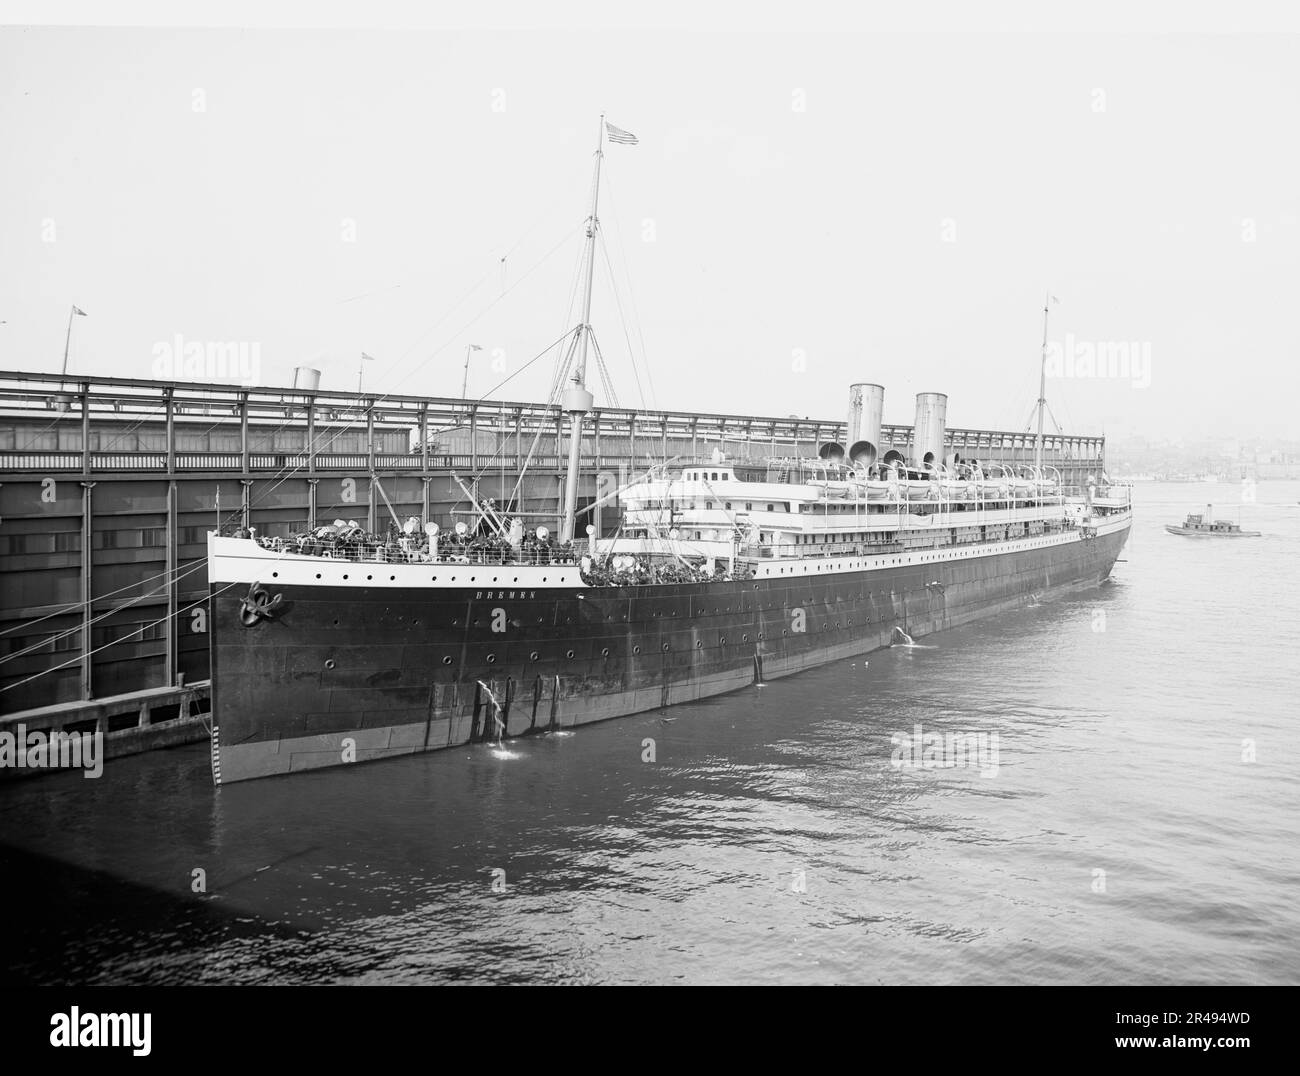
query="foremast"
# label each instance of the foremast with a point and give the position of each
(578, 400)
(1042, 389)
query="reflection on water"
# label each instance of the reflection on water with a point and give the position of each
(1126, 836)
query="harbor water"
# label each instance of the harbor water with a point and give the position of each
(1126, 812)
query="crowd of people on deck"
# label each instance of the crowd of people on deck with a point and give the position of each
(348, 540)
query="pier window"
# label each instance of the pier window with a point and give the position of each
(35, 644)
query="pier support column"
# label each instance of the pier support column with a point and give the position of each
(173, 586)
(311, 435)
(424, 438)
(311, 503)
(170, 403)
(87, 662)
(246, 503)
(242, 411)
(425, 504)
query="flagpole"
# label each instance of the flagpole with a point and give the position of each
(577, 399)
(67, 340)
(464, 384)
(579, 375)
(361, 365)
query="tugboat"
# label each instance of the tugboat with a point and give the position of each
(1197, 525)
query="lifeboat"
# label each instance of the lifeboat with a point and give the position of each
(832, 488)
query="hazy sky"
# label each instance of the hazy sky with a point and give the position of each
(802, 211)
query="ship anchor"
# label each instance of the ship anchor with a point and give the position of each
(259, 606)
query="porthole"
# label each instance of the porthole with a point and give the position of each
(369, 577)
(318, 575)
(543, 579)
(494, 579)
(275, 575)
(698, 644)
(491, 659)
(345, 575)
(784, 632)
(434, 579)
(532, 656)
(391, 578)
(664, 648)
(336, 622)
(472, 578)
(569, 654)
(723, 641)
(446, 661)
(604, 651)
(744, 638)
(329, 664)
(636, 650)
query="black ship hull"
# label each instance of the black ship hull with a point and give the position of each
(334, 676)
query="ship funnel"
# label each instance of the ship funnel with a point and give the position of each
(832, 451)
(306, 378)
(866, 411)
(928, 434)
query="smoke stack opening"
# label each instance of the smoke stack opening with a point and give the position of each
(863, 453)
(832, 451)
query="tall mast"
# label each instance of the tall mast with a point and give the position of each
(1042, 388)
(577, 399)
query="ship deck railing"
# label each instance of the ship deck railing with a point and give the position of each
(877, 548)
(370, 553)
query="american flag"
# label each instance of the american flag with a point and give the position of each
(617, 134)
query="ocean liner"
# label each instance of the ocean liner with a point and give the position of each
(337, 647)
